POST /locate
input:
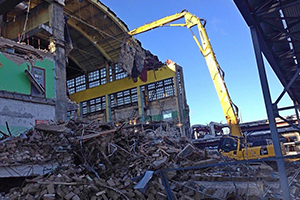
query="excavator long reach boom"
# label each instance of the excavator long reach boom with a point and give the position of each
(217, 75)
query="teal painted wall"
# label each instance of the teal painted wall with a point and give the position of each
(15, 130)
(14, 79)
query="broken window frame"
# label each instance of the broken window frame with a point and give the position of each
(103, 76)
(93, 106)
(179, 81)
(37, 81)
(77, 84)
(84, 108)
(70, 113)
(93, 78)
(160, 89)
(80, 83)
(96, 77)
(71, 85)
(167, 115)
(124, 98)
(110, 74)
(119, 73)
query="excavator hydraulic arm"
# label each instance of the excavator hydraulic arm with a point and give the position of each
(206, 50)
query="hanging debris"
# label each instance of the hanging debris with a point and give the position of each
(132, 57)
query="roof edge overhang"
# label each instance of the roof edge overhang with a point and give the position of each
(249, 18)
(111, 14)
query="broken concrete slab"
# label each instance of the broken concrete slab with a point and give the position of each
(53, 128)
(24, 170)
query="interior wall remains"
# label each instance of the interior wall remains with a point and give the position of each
(24, 71)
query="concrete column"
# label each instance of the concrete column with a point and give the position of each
(57, 22)
(2, 21)
(141, 103)
(179, 103)
(108, 108)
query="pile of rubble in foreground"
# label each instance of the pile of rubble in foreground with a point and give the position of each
(99, 161)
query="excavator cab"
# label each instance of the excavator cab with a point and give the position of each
(228, 144)
(236, 148)
(231, 147)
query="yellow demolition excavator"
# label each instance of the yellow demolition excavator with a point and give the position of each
(233, 145)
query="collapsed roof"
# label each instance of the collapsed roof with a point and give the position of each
(96, 33)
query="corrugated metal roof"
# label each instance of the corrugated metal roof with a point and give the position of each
(278, 25)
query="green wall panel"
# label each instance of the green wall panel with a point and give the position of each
(14, 79)
(174, 114)
(159, 117)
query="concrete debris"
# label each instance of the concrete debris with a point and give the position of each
(26, 53)
(132, 57)
(136, 61)
(101, 161)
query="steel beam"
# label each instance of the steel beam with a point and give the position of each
(245, 9)
(287, 87)
(74, 23)
(270, 113)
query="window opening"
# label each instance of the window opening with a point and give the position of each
(103, 76)
(80, 83)
(93, 79)
(160, 89)
(179, 82)
(124, 98)
(167, 115)
(93, 105)
(71, 85)
(120, 73)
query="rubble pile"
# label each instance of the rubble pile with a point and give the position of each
(35, 146)
(100, 161)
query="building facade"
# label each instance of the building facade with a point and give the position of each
(107, 94)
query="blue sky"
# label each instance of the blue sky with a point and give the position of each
(231, 40)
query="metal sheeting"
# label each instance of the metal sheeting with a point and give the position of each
(278, 25)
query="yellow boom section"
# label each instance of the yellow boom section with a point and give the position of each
(206, 50)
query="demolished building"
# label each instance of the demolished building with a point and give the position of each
(85, 159)
(70, 51)
(28, 94)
